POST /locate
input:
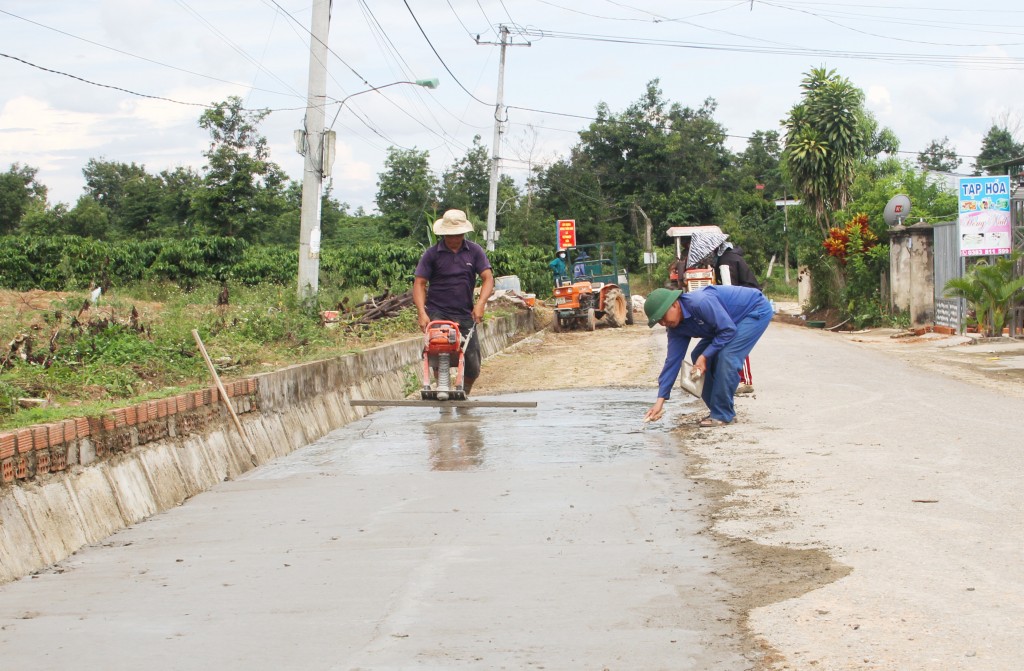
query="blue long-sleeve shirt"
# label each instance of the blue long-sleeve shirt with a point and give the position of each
(710, 314)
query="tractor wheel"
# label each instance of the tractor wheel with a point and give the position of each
(591, 319)
(556, 324)
(615, 308)
(629, 312)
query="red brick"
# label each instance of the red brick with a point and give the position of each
(56, 432)
(21, 467)
(131, 415)
(42, 462)
(24, 441)
(40, 437)
(7, 470)
(70, 430)
(82, 427)
(142, 413)
(108, 421)
(250, 385)
(7, 445)
(59, 458)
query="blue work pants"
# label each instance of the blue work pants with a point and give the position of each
(723, 373)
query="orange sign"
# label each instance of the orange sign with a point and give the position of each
(565, 231)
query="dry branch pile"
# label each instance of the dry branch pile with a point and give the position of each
(372, 309)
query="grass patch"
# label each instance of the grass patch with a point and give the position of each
(136, 344)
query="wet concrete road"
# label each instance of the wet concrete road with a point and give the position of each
(562, 537)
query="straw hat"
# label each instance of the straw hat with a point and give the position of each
(453, 222)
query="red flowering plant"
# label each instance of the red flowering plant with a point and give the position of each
(854, 238)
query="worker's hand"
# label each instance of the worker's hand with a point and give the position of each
(423, 318)
(700, 364)
(478, 313)
(656, 412)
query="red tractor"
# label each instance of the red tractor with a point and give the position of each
(594, 288)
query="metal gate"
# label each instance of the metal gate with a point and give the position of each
(947, 265)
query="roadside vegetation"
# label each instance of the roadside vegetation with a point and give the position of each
(164, 249)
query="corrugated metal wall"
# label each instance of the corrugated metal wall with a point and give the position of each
(948, 264)
(1015, 322)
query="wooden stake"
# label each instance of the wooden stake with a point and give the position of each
(224, 398)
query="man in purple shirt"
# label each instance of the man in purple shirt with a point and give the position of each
(444, 284)
(728, 320)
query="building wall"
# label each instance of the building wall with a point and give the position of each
(912, 272)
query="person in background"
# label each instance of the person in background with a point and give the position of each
(445, 281)
(729, 321)
(732, 269)
(557, 266)
(579, 268)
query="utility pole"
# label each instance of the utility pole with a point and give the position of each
(499, 128)
(313, 150)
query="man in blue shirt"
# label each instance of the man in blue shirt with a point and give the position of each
(728, 320)
(444, 283)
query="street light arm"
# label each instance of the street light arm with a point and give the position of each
(432, 83)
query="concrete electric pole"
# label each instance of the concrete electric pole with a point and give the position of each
(499, 128)
(313, 149)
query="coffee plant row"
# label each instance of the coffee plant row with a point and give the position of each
(68, 263)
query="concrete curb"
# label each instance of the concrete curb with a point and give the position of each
(132, 463)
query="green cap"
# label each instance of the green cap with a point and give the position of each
(658, 302)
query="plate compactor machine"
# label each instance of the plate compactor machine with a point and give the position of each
(444, 354)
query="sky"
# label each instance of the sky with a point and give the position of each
(127, 80)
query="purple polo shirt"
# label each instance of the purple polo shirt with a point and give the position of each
(451, 277)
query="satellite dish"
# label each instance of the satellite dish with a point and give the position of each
(896, 210)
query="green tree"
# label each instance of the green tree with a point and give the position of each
(466, 183)
(827, 133)
(19, 191)
(129, 194)
(998, 145)
(175, 212)
(406, 189)
(242, 188)
(88, 219)
(940, 156)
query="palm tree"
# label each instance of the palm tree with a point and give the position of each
(826, 134)
(989, 289)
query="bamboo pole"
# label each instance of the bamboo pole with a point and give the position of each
(224, 398)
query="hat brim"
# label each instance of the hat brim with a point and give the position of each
(442, 227)
(659, 314)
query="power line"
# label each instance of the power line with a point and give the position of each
(136, 56)
(983, 62)
(106, 86)
(432, 48)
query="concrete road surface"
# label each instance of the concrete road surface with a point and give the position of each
(863, 514)
(561, 537)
